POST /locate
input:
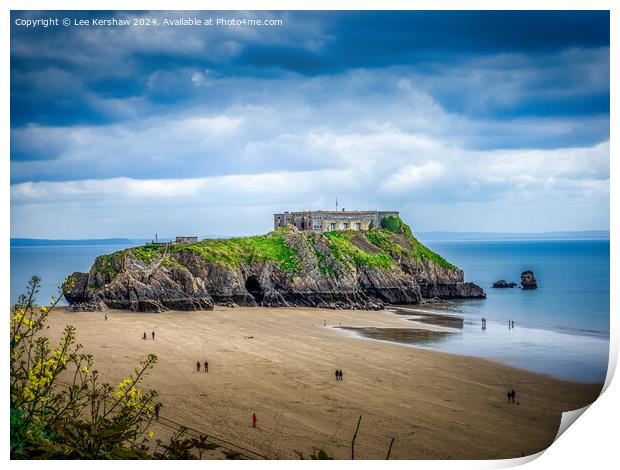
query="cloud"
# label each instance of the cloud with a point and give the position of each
(292, 123)
(521, 193)
(413, 176)
(110, 125)
(572, 173)
(487, 66)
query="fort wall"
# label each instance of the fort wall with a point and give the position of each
(326, 221)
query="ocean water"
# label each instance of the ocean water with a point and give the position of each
(572, 275)
(52, 264)
(561, 328)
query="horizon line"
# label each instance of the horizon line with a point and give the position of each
(430, 232)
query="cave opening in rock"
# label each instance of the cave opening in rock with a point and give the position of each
(254, 288)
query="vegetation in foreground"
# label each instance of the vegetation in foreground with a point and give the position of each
(61, 409)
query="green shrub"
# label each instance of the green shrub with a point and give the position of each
(78, 417)
(392, 224)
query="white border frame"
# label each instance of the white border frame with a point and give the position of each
(590, 443)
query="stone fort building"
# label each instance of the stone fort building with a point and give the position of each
(326, 221)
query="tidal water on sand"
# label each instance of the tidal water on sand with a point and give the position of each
(561, 328)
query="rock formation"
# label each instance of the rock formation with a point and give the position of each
(528, 281)
(348, 269)
(503, 284)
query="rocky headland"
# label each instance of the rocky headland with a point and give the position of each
(340, 269)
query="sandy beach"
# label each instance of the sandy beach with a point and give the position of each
(280, 363)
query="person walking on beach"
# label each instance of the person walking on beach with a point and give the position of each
(197, 366)
(105, 317)
(511, 396)
(253, 420)
(206, 366)
(153, 334)
(513, 324)
(144, 335)
(157, 408)
(337, 374)
(340, 374)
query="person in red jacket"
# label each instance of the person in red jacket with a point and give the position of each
(197, 366)
(254, 419)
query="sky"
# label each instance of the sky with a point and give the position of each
(462, 121)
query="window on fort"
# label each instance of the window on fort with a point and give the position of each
(332, 226)
(345, 226)
(358, 226)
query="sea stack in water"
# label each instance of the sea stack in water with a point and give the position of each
(349, 269)
(503, 284)
(528, 281)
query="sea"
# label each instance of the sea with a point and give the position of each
(561, 328)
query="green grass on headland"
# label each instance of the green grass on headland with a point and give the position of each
(377, 248)
(403, 243)
(234, 251)
(342, 247)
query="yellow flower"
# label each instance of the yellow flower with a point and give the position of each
(18, 316)
(85, 369)
(43, 309)
(151, 434)
(124, 384)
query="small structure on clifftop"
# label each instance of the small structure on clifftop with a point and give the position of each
(186, 240)
(528, 281)
(328, 221)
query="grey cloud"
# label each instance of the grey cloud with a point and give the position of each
(272, 125)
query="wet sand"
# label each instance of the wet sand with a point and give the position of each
(400, 335)
(280, 363)
(449, 321)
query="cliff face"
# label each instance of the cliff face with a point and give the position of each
(361, 270)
